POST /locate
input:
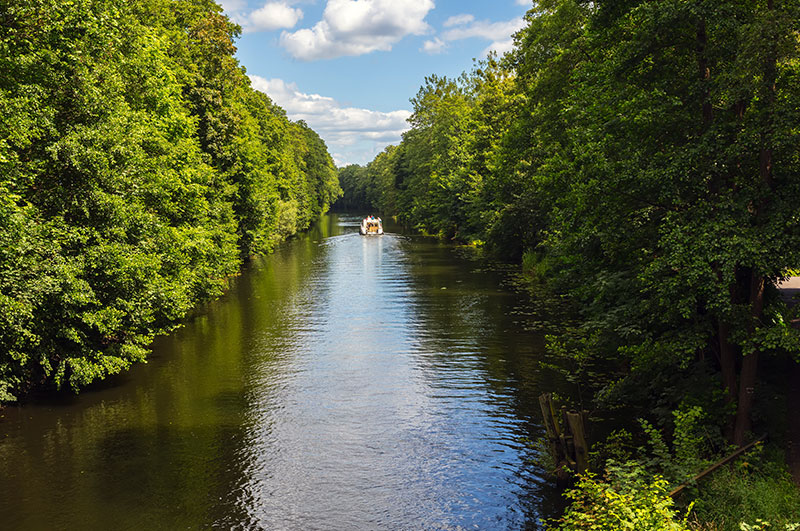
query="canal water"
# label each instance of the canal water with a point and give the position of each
(344, 382)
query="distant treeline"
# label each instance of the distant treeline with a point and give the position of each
(138, 168)
(644, 156)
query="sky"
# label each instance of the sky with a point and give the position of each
(349, 67)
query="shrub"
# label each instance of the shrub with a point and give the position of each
(630, 500)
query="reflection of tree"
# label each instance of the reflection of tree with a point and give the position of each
(167, 446)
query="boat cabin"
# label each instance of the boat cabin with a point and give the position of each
(371, 225)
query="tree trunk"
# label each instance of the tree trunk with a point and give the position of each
(727, 350)
(749, 374)
(744, 409)
(727, 361)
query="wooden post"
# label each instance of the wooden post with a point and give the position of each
(544, 403)
(547, 419)
(575, 422)
(566, 435)
(553, 414)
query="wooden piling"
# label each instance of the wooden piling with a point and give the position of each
(566, 437)
(552, 437)
(575, 422)
(544, 403)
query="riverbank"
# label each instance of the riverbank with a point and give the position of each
(641, 464)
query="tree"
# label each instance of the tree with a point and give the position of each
(138, 169)
(678, 205)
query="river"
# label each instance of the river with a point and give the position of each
(344, 382)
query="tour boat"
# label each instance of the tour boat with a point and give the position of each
(371, 225)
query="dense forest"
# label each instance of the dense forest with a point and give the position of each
(138, 169)
(643, 158)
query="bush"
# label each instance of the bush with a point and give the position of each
(630, 500)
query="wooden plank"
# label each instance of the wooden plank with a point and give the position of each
(677, 490)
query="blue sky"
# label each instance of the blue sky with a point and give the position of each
(349, 67)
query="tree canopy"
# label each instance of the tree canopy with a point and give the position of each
(138, 168)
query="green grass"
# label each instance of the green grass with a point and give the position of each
(758, 487)
(537, 265)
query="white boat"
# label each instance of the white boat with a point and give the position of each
(371, 225)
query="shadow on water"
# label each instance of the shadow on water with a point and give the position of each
(344, 382)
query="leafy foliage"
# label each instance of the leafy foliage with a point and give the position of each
(137, 168)
(627, 501)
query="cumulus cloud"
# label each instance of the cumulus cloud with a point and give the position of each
(357, 27)
(499, 47)
(233, 6)
(352, 134)
(493, 31)
(457, 20)
(466, 27)
(434, 46)
(272, 16)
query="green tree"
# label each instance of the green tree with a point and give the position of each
(681, 193)
(138, 167)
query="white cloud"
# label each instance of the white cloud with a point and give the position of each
(272, 16)
(458, 20)
(500, 47)
(233, 6)
(435, 46)
(493, 31)
(528, 3)
(357, 27)
(352, 134)
(466, 27)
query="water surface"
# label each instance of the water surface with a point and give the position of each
(345, 382)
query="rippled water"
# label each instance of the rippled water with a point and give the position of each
(345, 382)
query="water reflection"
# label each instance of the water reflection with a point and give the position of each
(345, 382)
